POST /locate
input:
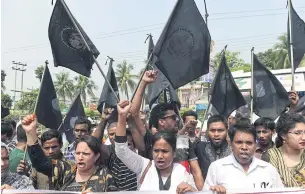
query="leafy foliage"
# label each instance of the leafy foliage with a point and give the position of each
(125, 78)
(39, 72)
(28, 101)
(6, 100)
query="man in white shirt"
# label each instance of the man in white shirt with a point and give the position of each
(241, 169)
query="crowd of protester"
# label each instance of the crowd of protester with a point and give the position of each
(161, 154)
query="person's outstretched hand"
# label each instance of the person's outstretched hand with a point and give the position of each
(124, 108)
(29, 123)
(150, 76)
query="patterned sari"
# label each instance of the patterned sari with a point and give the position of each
(291, 177)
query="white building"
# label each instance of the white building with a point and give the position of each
(195, 96)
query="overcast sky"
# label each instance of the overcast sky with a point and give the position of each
(118, 28)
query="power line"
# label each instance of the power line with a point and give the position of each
(249, 11)
(137, 30)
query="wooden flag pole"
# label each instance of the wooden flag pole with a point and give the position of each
(291, 46)
(87, 46)
(147, 64)
(252, 84)
(25, 151)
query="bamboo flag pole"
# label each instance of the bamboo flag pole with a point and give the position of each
(291, 45)
(87, 46)
(252, 84)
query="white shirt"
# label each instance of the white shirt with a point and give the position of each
(230, 174)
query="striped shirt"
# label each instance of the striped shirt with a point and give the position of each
(125, 179)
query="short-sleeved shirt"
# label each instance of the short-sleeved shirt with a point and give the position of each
(16, 156)
(230, 174)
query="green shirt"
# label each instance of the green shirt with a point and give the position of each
(16, 156)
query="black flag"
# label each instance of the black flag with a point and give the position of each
(157, 88)
(76, 111)
(161, 83)
(226, 96)
(183, 49)
(107, 96)
(47, 107)
(298, 38)
(269, 96)
(68, 48)
(301, 105)
(4, 112)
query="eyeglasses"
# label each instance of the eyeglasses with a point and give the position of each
(298, 133)
(174, 117)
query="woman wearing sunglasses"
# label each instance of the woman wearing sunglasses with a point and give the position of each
(289, 156)
(159, 174)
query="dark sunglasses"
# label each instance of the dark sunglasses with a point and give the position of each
(174, 117)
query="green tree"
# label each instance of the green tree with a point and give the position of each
(85, 86)
(39, 72)
(233, 61)
(125, 78)
(6, 100)
(281, 50)
(268, 58)
(3, 75)
(28, 101)
(64, 86)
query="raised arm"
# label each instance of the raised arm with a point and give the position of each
(148, 77)
(39, 161)
(137, 137)
(100, 129)
(132, 160)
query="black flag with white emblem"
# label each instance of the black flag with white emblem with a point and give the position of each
(68, 48)
(47, 107)
(183, 50)
(76, 111)
(269, 96)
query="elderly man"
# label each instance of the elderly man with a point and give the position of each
(12, 180)
(241, 169)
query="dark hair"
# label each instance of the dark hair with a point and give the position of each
(286, 122)
(50, 134)
(83, 120)
(244, 129)
(266, 122)
(189, 113)
(21, 135)
(243, 122)
(6, 128)
(158, 112)
(168, 136)
(217, 118)
(13, 123)
(92, 142)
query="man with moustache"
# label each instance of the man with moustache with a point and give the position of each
(216, 147)
(265, 128)
(51, 144)
(241, 169)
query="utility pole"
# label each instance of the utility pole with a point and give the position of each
(22, 69)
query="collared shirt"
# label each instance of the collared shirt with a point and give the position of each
(230, 174)
(20, 182)
(69, 152)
